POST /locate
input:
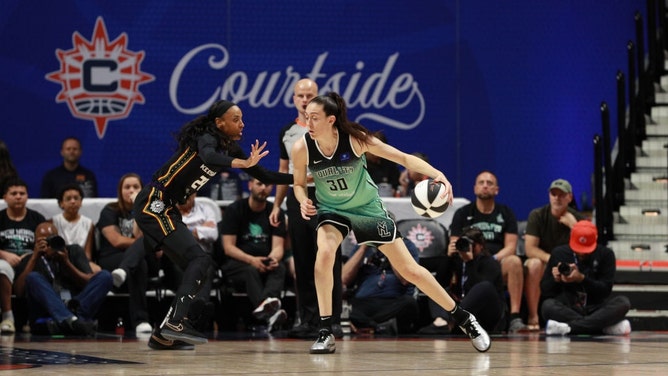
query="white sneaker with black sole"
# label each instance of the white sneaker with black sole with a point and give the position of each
(267, 308)
(277, 318)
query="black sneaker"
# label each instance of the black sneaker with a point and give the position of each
(182, 331)
(479, 337)
(303, 331)
(158, 342)
(80, 327)
(324, 344)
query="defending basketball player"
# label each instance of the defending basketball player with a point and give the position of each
(333, 149)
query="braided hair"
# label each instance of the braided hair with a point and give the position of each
(190, 132)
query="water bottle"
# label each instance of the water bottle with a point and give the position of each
(229, 188)
(385, 188)
(215, 190)
(120, 327)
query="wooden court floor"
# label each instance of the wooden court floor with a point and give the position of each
(641, 353)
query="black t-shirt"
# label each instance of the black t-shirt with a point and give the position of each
(253, 230)
(494, 226)
(19, 237)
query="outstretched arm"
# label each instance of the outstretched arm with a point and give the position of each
(411, 162)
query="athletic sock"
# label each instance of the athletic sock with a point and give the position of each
(326, 322)
(460, 315)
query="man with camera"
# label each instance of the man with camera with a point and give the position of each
(577, 287)
(63, 293)
(476, 282)
(382, 300)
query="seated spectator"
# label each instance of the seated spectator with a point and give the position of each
(383, 172)
(122, 252)
(499, 226)
(69, 172)
(577, 287)
(408, 178)
(477, 284)
(17, 240)
(72, 226)
(201, 221)
(382, 300)
(254, 251)
(7, 169)
(547, 227)
(62, 291)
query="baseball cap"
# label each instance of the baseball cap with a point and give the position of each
(583, 237)
(562, 185)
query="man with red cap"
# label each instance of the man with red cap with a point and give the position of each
(577, 287)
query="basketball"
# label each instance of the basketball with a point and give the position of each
(426, 198)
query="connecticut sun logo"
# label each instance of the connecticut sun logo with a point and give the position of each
(421, 236)
(100, 79)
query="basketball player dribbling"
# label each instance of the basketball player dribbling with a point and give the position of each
(333, 149)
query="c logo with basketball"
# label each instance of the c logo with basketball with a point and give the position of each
(421, 236)
(100, 79)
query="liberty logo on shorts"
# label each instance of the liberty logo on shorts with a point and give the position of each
(100, 79)
(157, 206)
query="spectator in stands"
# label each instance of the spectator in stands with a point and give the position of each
(381, 299)
(476, 282)
(122, 250)
(499, 227)
(408, 178)
(303, 232)
(547, 227)
(7, 169)
(577, 287)
(201, 221)
(69, 172)
(59, 285)
(17, 240)
(74, 227)
(254, 250)
(383, 172)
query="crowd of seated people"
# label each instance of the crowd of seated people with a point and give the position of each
(108, 256)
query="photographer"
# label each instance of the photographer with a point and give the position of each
(476, 283)
(63, 293)
(577, 285)
(382, 301)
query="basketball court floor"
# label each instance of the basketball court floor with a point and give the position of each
(641, 353)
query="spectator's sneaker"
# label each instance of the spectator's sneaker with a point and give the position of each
(479, 337)
(182, 331)
(80, 327)
(516, 325)
(303, 331)
(278, 318)
(324, 344)
(553, 328)
(158, 342)
(622, 328)
(118, 275)
(267, 308)
(7, 327)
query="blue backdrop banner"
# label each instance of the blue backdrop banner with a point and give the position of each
(474, 85)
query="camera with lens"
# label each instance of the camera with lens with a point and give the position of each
(464, 244)
(564, 268)
(56, 242)
(378, 259)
